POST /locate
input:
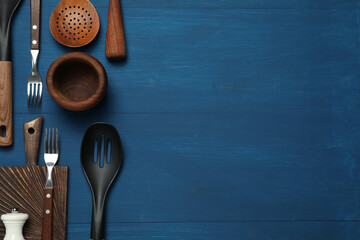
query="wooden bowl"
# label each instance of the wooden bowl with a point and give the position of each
(76, 81)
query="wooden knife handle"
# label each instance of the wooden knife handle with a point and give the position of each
(47, 215)
(35, 24)
(32, 137)
(6, 110)
(115, 39)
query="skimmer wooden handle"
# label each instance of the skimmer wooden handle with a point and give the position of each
(6, 111)
(115, 39)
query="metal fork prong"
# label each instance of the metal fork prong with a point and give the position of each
(32, 95)
(40, 93)
(49, 140)
(28, 94)
(52, 142)
(57, 141)
(45, 140)
(36, 85)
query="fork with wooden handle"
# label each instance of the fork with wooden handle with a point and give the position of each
(34, 87)
(51, 155)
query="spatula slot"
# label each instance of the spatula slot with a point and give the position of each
(95, 151)
(102, 156)
(3, 131)
(108, 159)
(102, 151)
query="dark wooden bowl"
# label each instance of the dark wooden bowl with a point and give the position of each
(76, 81)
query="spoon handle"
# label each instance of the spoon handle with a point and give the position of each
(115, 39)
(97, 223)
(6, 104)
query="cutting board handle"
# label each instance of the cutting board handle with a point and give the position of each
(32, 137)
(6, 112)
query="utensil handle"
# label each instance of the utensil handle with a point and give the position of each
(97, 222)
(47, 214)
(6, 111)
(115, 39)
(32, 136)
(35, 24)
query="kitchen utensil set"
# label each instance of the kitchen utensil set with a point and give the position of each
(32, 135)
(77, 82)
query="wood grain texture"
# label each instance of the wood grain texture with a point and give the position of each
(74, 23)
(115, 48)
(6, 101)
(32, 138)
(76, 81)
(35, 6)
(47, 222)
(23, 187)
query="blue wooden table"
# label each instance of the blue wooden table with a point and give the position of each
(239, 119)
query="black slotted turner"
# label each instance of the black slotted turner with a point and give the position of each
(7, 9)
(100, 170)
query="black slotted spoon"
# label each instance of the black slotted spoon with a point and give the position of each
(7, 9)
(100, 170)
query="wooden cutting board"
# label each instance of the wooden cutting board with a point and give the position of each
(23, 188)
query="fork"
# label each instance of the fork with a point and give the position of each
(51, 155)
(34, 87)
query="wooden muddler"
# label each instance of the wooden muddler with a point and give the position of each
(115, 39)
(6, 113)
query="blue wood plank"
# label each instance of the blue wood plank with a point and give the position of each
(225, 230)
(239, 119)
(232, 4)
(181, 167)
(199, 61)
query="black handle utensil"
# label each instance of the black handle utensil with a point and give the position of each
(101, 159)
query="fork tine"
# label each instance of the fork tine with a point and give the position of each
(45, 140)
(40, 94)
(28, 94)
(32, 95)
(57, 141)
(49, 140)
(36, 94)
(52, 142)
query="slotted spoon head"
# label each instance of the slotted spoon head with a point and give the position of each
(74, 23)
(7, 9)
(101, 160)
